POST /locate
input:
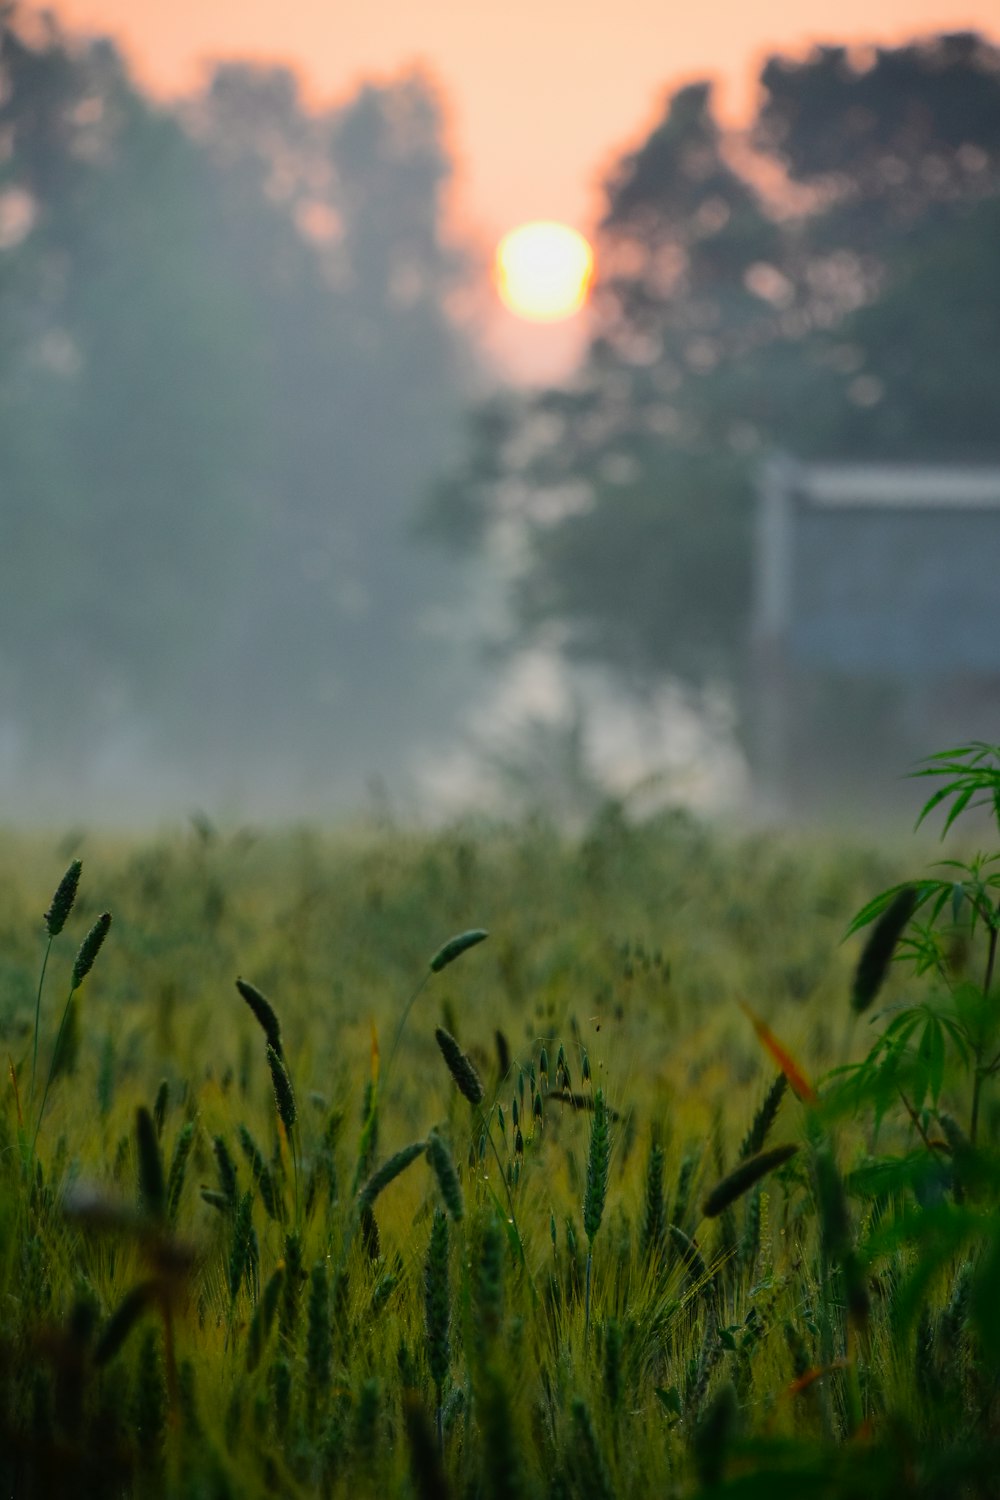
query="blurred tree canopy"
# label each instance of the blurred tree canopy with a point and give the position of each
(226, 374)
(825, 283)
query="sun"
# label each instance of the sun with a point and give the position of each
(543, 270)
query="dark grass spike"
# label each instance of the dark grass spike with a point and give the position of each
(264, 1013)
(456, 946)
(877, 953)
(503, 1053)
(460, 1067)
(389, 1171)
(743, 1178)
(284, 1098)
(444, 1170)
(89, 949)
(151, 1186)
(760, 1126)
(62, 902)
(123, 1320)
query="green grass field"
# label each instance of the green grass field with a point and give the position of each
(278, 1242)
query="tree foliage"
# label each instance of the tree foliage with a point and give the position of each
(225, 374)
(824, 284)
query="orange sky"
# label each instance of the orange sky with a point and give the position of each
(541, 95)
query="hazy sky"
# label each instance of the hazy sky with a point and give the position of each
(541, 94)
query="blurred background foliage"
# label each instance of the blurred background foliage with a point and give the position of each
(823, 283)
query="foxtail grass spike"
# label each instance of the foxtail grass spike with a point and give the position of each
(444, 1170)
(460, 1067)
(877, 953)
(743, 1178)
(264, 1013)
(456, 946)
(90, 948)
(284, 1099)
(62, 901)
(389, 1171)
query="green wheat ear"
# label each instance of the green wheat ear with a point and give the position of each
(598, 1162)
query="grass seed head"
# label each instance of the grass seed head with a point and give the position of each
(284, 1098)
(388, 1171)
(62, 901)
(90, 948)
(876, 956)
(456, 946)
(460, 1067)
(743, 1178)
(264, 1013)
(444, 1170)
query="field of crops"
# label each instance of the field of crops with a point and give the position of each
(510, 1166)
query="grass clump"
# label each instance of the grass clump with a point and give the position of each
(199, 1299)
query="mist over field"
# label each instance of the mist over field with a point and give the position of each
(278, 541)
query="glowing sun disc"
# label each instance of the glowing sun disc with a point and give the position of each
(543, 270)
